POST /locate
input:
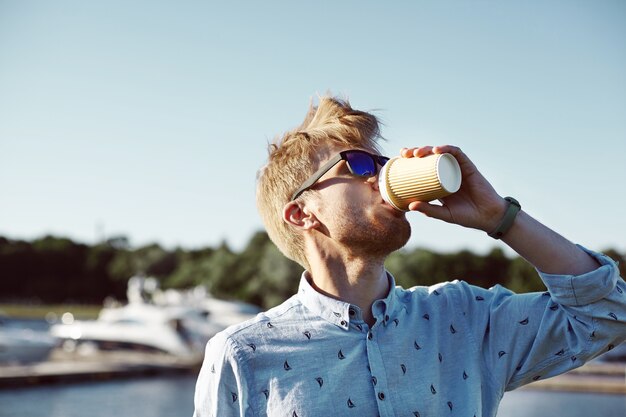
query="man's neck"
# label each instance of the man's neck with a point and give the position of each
(353, 280)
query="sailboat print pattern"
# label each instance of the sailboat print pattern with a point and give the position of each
(332, 363)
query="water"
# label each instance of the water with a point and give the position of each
(172, 396)
(141, 397)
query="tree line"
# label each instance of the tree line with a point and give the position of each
(58, 270)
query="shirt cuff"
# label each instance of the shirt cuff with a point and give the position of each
(577, 290)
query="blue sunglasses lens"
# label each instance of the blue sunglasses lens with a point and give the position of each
(361, 164)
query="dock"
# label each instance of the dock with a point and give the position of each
(596, 377)
(63, 367)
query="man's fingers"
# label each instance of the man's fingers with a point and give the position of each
(454, 150)
(416, 152)
(423, 151)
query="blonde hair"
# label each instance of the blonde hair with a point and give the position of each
(295, 156)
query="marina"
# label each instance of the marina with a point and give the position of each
(143, 358)
(156, 333)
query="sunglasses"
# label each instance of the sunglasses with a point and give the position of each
(360, 163)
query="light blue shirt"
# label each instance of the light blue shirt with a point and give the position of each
(448, 350)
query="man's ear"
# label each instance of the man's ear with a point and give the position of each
(296, 214)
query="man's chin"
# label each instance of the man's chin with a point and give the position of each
(391, 238)
(376, 234)
(401, 237)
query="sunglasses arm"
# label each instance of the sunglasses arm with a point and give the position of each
(316, 176)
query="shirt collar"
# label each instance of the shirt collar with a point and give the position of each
(337, 312)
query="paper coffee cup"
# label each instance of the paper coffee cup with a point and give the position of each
(404, 180)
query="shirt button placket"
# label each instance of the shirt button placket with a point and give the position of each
(377, 368)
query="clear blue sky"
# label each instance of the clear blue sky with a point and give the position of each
(150, 118)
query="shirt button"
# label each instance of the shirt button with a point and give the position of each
(343, 322)
(381, 396)
(351, 312)
(369, 336)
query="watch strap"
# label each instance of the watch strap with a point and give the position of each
(513, 207)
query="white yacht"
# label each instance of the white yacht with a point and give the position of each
(173, 322)
(137, 327)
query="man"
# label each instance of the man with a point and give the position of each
(351, 343)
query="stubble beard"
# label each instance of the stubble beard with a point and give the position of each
(376, 238)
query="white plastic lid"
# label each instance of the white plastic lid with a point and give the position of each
(449, 173)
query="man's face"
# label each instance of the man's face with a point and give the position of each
(353, 213)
